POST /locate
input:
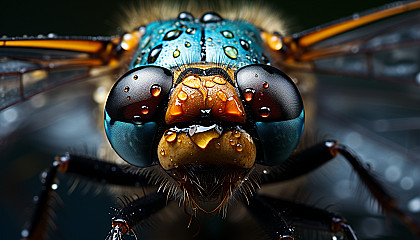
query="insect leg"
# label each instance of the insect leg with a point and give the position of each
(301, 215)
(135, 212)
(317, 155)
(89, 168)
(269, 218)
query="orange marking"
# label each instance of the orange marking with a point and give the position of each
(338, 28)
(71, 45)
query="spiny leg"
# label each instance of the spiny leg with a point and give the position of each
(269, 218)
(296, 215)
(89, 168)
(135, 212)
(314, 157)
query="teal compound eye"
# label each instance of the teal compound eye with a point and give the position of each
(132, 112)
(276, 107)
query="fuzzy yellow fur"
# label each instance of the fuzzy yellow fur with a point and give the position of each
(257, 13)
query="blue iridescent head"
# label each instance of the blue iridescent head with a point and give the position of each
(200, 92)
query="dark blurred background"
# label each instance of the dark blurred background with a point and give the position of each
(348, 111)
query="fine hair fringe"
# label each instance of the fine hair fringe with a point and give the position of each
(258, 13)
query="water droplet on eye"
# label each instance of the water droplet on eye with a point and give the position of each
(162, 152)
(244, 44)
(187, 44)
(176, 53)
(155, 90)
(239, 147)
(190, 30)
(256, 75)
(128, 97)
(182, 96)
(126, 89)
(248, 94)
(135, 77)
(264, 111)
(144, 110)
(227, 34)
(231, 52)
(170, 136)
(265, 85)
(172, 35)
(154, 54)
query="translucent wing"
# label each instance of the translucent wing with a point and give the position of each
(31, 65)
(383, 44)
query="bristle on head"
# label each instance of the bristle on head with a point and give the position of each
(259, 14)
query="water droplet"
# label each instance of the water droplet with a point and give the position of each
(265, 171)
(237, 134)
(170, 136)
(256, 75)
(217, 145)
(128, 97)
(155, 90)
(126, 89)
(219, 80)
(248, 94)
(187, 44)
(264, 111)
(135, 77)
(209, 84)
(179, 140)
(239, 147)
(154, 54)
(222, 96)
(232, 142)
(265, 85)
(192, 81)
(190, 30)
(255, 60)
(211, 17)
(162, 152)
(233, 107)
(244, 44)
(209, 99)
(227, 34)
(231, 52)
(144, 109)
(182, 96)
(176, 53)
(186, 16)
(209, 39)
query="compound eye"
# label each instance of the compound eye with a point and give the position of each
(277, 108)
(271, 94)
(131, 112)
(137, 94)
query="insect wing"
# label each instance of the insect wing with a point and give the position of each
(29, 66)
(381, 44)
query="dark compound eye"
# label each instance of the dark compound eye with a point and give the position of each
(131, 111)
(270, 93)
(136, 95)
(277, 109)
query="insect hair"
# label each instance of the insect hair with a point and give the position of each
(257, 13)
